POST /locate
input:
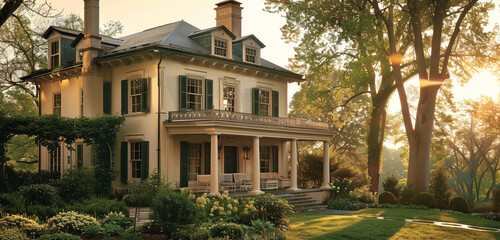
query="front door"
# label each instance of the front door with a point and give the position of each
(230, 159)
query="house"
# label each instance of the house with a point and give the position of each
(195, 101)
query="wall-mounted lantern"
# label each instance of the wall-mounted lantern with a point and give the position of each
(246, 152)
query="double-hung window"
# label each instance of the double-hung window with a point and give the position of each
(194, 159)
(136, 94)
(250, 54)
(55, 160)
(264, 98)
(220, 47)
(265, 159)
(57, 104)
(194, 94)
(54, 54)
(229, 97)
(136, 159)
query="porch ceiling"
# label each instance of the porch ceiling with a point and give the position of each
(246, 129)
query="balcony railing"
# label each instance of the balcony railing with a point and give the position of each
(220, 115)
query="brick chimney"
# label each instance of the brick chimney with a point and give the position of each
(228, 13)
(91, 72)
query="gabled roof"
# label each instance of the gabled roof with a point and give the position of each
(209, 30)
(63, 30)
(104, 40)
(247, 37)
(227, 1)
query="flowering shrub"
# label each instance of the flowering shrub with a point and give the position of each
(26, 225)
(341, 189)
(226, 230)
(363, 196)
(70, 222)
(273, 209)
(12, 234)
(221, 207)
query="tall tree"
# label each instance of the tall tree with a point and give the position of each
(383, 44)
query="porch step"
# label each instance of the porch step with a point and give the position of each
(301, 202)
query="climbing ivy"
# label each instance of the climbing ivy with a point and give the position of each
(51, 130)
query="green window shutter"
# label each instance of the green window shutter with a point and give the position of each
(209, 95)
(124, 97)
(79, 155)
(255, 101)
(276, 104)
(182, 93)
(145, 160)
(184, 164)
(275, 158)
(106, 98)
(145, 100)
(124, 163)
(208, 156)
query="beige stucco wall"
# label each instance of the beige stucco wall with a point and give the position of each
(143, 126)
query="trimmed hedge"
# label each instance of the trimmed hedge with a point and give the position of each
(387, 197)
(424, 199)
(458, 203)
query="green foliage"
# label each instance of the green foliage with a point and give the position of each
(458, 203)
(345, 204)
(263, 230)
(26, 225)
(50, 130)
(98, 207)
(363, 196)
(440, 188)
(130, 236)
(387, 197)
(174, 210)
(273, 209)
(76, 184)
(221, 206)
(70, 222)
(119, 219)
(391, 184)
(39, 194)
(495, 199)
(424, 199)
(105, 231)
(226, 230)
(11, 203)
(42, 212)
(407, 194)
(58, 236)
(483, 207)
(488, 215)
(12, 234)
(341, 188)
(141, 194)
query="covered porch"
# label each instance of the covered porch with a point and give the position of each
(220, 150)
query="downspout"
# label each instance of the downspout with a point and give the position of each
(39, 114)
(158, 149)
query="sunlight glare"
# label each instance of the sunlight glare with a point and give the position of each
(482, 83)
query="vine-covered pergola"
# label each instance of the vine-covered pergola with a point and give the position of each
(50, 130)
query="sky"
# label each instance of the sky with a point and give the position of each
(266, 26)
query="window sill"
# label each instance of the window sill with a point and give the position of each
(136, 114)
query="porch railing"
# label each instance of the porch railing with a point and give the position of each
(220, 115)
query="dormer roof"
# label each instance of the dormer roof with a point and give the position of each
(104, 40)
(210, 30)
(63, 30)
(240, 39)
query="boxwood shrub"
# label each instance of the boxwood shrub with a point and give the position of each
(387, 197)
(424, 199)
(39, 194)
(458, 203)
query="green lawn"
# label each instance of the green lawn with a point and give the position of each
(314, 225)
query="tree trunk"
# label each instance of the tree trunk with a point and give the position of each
(418, 164)
(375, 143)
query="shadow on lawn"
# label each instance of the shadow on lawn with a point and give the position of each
(366, 229)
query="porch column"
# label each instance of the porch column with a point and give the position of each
(326, 165)
(284, 160)
(214, 167)
(256, 166)
(295, 163)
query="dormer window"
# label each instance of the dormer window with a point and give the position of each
(250, 54)
(220, 47)
(54, 54)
